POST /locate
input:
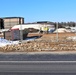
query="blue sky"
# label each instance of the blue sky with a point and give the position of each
(39, 10)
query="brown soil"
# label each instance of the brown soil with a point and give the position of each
(53, 35)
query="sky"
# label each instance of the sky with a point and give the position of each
(39, 10)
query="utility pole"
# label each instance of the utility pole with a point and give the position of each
(21, 34)
(57, 32)
(75, 27)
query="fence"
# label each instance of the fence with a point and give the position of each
(47, 42)
(66, 42)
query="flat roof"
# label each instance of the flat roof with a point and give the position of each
(10, 17)
(41, 22)
(35, 23)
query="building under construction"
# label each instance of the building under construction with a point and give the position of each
(11, 21)
(8, 23)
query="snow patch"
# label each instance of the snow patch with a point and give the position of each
(61, 30)
(73, 38)
(4, 42)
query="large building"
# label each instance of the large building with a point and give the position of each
(11, 21)
(1, 23)
(43, 27)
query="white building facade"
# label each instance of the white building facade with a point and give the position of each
(35, 26)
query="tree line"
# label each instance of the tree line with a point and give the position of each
(65, 24)
(60, 24)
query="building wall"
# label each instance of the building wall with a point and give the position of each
(1, 24)
(11, 21)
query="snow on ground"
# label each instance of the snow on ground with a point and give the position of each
(61, 30)
(4, 42)
(73, 38)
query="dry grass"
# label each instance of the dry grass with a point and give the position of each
(46, 43)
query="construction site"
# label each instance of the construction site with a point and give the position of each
(36, 37)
